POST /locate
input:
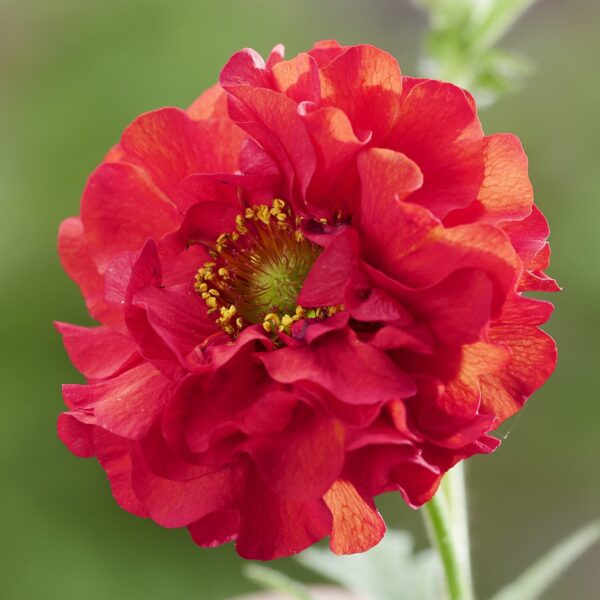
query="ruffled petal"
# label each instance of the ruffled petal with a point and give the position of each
(98, 352)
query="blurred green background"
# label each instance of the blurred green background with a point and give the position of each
(72, 75)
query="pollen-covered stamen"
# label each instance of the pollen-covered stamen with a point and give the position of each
(258, 270)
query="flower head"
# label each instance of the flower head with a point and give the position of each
(310, 288)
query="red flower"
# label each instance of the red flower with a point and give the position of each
(310, 289)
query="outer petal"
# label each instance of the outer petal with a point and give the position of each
(75, 258)
(302, 461)
(170, 146)
(506, 193)
(125, 405)
(97, 352)
(325, 51)
(439, 130)
(211, 104)
(76, 432)
(357, 526)
(180, 503)
(532, 360)
(114, 454)
(272, 527)
(216, 528)
(115, 197)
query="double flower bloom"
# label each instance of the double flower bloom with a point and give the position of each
(310, 292)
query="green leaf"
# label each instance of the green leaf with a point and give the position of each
(542, 574)
(276, 581)
(390, 571)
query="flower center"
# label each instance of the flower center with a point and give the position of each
(258, 270)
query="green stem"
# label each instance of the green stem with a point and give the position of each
(446, 520)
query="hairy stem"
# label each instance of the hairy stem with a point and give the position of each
(446, 521)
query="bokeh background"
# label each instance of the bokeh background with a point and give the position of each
(73, 73)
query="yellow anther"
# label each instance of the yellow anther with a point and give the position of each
(323, 221)
(205, 295)
(249, 214)
(235, 236)
(286, 321)
(209, 265)
(278, 203)
(281, 216)
(202, 287)
(267, 326)
(227, 313)
(319, 313)
(240, 224)
(299, 312)
(222, 239)
(211, 302)
(262, 213)
(239, 322)
(223, 272)
(299, 236)
(214, 292)
(274, 318)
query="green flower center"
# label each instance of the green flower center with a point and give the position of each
(258, 271)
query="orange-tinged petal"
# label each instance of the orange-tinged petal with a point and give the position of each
(357, 526)
(365, 82)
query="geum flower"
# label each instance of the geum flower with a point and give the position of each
(310, 288)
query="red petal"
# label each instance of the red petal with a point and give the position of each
(351, 371)
(506, 193)
(325, 51)
(457, 310)
(76, 435)
(216, 528)
(331, 272)
(210, 104)
(125, 405)
(272, 120)
(246, 67)
(365, 82)
(302, 461)
(439, 130)
(298, 78)
(114, 198)
(170, 146)
(180, 503)
(390, 227)
(75, 258)
(357, 526)
(114, 454)
(97, 352)
(273, 527)
(532, 360)
(178, 315)
(336, 145)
